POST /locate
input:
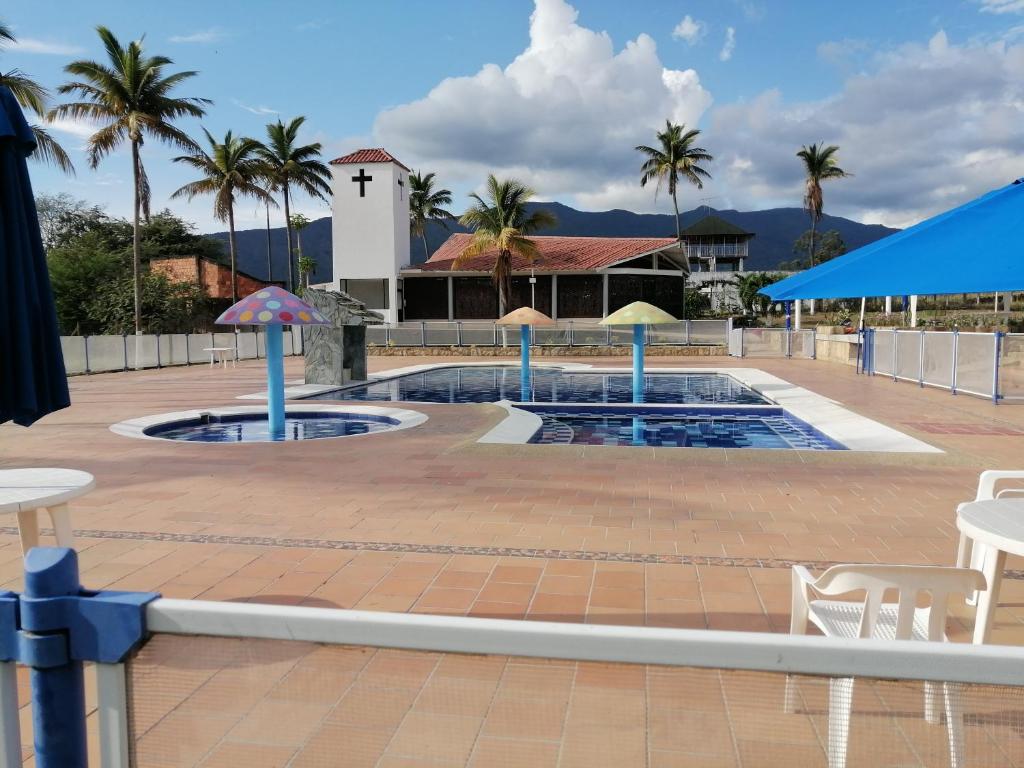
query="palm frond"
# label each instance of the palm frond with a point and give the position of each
(49, 150)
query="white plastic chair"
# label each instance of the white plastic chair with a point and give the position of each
(966, 556)
(871, 618)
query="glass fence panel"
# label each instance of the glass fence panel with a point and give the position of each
(298, 346)
(200, 701)
(552, 336)
(376, 334)
(708, 331)
(106, 353)
(667, 333)
(590, 334)
(177, 349)
(619, 336)
(908, 355)
(882, 356)
(246, 345)
(938, 358)
(410, 335)
(975, 363)
(480, 334)
(198, 343)
(765, 342)
(261, 343)
(444, 334)
(73, 350)
(228, 340)
(1011, 366)
(802, 344)
(142, 351)
(287, 343)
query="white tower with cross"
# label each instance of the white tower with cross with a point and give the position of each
(370, 227)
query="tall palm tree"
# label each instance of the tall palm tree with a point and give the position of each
(230, 169)
(819, 165)
(131, 97)
(288, 165)
(675, 157)
(502, 223)
(31, 95)
(427, 204)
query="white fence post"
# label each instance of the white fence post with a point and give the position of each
(895, 354)
(956, 349)
(10, 729)
(920, 360)
(112, 709)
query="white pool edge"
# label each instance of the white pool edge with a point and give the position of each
(136, 428)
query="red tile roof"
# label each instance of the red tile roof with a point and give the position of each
(376, 155)
(556, 253)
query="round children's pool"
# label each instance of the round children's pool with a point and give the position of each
(250, 424)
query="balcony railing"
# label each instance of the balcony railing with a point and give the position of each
(730, 251)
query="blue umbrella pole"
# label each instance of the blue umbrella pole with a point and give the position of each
(638, 363)
(524, 353)
(275, 380)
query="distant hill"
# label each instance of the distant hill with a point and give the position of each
(776, 230)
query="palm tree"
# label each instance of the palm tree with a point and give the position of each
(819, 165)
(427, 204)
(502, 223)
(674, 157)
(230, 169)
(288, 165)
(32, 95)
(131, 97)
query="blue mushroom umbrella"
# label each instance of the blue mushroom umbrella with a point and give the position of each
(33, 382)
(525, 318)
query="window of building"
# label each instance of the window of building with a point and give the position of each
(373, 293)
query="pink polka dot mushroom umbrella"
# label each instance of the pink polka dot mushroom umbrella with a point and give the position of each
(273, 307)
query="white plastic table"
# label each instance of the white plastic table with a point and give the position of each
(997, 528)
(224, 353)
(26, 491)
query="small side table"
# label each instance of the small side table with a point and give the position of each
(223, 354)
(26, 491)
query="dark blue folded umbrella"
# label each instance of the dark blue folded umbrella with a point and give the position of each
(32, 378)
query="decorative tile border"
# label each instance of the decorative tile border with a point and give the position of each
(457, 549)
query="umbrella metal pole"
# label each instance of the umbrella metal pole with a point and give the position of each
(524, 377)
(275, 381)
(638, 363)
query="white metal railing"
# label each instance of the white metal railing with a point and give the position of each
(715, 251)
(565, 333)
(897, 660)
(984, 364)
(771, 342)
(100, 354)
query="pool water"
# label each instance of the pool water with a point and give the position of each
(255, 428)
(488, 384)
(772, 428)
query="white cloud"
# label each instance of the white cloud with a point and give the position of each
(48, 47)
(729, 45)
(202, 36)
(927, 126)
(563, 116)
(1002, 6)
(689, 30)
(79, 128)
(257, 110)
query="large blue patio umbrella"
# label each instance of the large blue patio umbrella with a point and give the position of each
(274, 308)
(525, 318)
(33, 382)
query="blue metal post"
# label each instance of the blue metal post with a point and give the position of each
(638, 363)
(789, 315)
(995, 368)
(524, 353)
(58, 689)
(275, 381)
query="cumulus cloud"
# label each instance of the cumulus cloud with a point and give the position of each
(928, 126)
(729, 45)
(201, 37)
(48, 47)
(564, 115)
(689, 30)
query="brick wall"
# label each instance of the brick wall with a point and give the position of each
(214, 278)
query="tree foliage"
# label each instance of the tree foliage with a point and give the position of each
(427, 204)
(826, 247)
(750, 286)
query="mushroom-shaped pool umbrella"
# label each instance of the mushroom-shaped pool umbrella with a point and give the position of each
(273, 307)
(638, 314)
(525, 317)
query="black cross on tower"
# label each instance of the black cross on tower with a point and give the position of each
(362, 178)
(401, 185)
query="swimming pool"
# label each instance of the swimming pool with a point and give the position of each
(765, 428)
(489, 384)
(255, 428)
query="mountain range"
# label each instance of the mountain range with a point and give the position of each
(776, 230)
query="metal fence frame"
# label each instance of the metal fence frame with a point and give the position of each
(248, 345)
(568, 333)
(740, 346)
(888, 364)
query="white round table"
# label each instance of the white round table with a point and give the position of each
(996, 528)
(26, 491)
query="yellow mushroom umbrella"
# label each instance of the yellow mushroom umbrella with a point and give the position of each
(525, 317)
(638, 314)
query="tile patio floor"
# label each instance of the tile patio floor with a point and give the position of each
(426, 520)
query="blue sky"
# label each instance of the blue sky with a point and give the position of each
(924, 98)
